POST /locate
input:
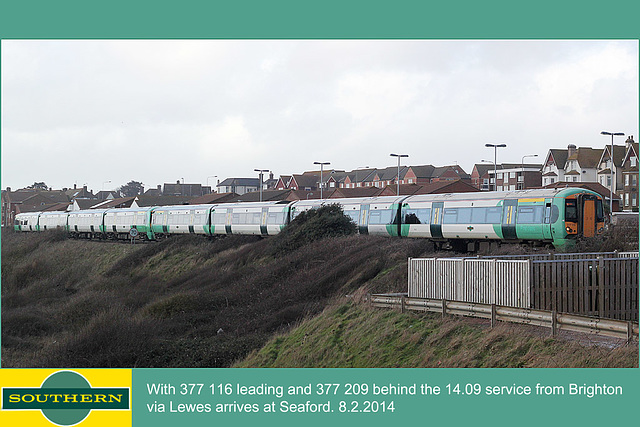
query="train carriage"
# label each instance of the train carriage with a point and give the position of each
(27, 221)
(181, 219)
(118, 223)
(86, 223)
(53, 221)
(257, 218)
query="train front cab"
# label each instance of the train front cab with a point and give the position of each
(583, 217)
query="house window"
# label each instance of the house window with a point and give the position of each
(634, 180)
(634, 162)
(634, 200)
(626, 180)
(500, 175)
(609, 181)
(553, 180)
(512, 175)
(626, 199)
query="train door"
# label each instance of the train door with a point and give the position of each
(587, 225)
(509, 209)
(436, 219)
(364, 220)
(263, 221)
(546, 222)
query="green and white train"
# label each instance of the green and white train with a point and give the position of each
(463, 221)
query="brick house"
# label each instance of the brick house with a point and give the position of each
(513, 176)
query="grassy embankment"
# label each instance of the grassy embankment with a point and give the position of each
(191, 302)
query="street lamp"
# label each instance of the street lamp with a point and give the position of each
(321, 169)
(260, 171)
(611, 156)
(523, 157)
(398, 177)
(495, 163)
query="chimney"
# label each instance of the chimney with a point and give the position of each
(8, 189)
(160, 188)
(270, 175)
(84, 187)
(74, 186)
(571, 150)
(628, 142)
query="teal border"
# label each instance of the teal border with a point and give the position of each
(360, 19)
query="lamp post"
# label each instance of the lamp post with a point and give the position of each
(398, 177)
(260, 171)
(495, 163)
(611, 156)
(523, 157)
(321, 169)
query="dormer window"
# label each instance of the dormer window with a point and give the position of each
(634, 162)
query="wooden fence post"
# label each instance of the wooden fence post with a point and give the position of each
(444, 307)
(493, 316)
(402, 302)
(601, 311)
(554, 323)
(629, 332)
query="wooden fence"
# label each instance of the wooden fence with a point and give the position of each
(604, 285)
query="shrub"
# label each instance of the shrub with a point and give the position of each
(314, 224)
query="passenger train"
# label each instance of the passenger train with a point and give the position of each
(462, 221)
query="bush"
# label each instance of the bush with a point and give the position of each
(315, 224)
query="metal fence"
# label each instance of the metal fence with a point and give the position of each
(593, 284)
(472, 280)
(551, 319)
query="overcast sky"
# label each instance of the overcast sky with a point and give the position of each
(89, 112)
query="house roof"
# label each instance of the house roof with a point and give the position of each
(120, 202)
(593, 186)
(229, 182)
(631, 150)
(267, 196)
(482, 168)
(212, 198)
(422, 171)
(587, 157)
(559, 156)
(145, 200)
(306, 180)
(340, 193)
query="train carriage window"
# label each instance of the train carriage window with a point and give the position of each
(464, 216)
(220, 217)
(353, 214)
(417, 216)
(599, 211)
(478, 215)
(380, 216)
(570, 210)
(450, 216)
(529, 214)
(494, 215)
(255, 218)
(274, 218)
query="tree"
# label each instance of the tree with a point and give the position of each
(38, 186)
(131, 188)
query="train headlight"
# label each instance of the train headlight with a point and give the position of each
(568, 229)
